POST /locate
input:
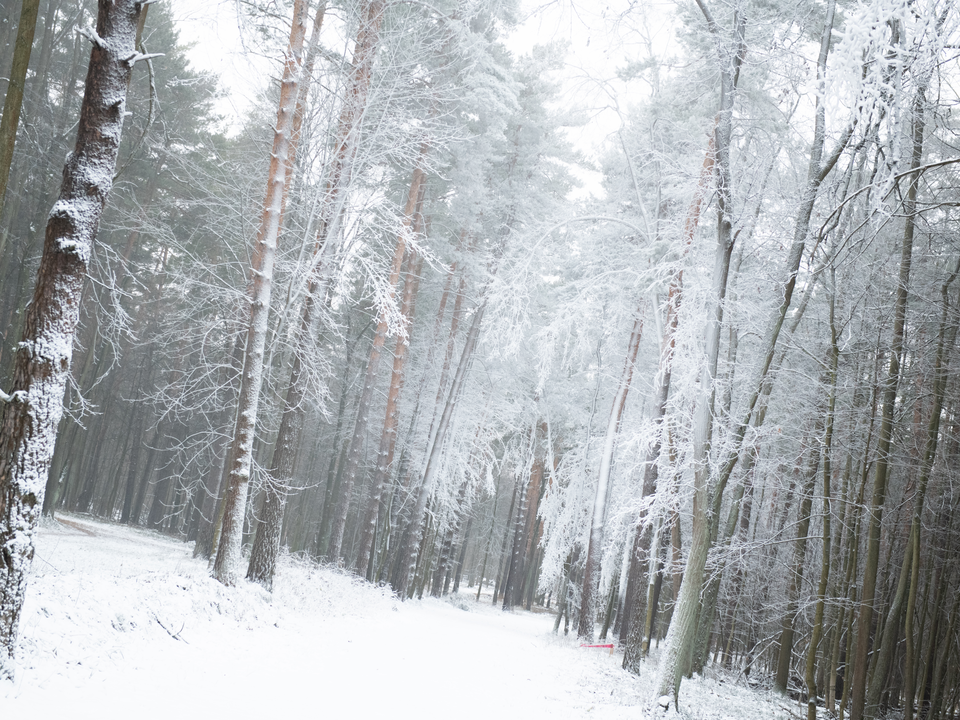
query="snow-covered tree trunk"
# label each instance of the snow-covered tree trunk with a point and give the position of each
(407, 560)
(945, 344)
(340, 171)
(591, 573)
(809, 675)
(883, 652)
(533, 525)
(683, 626)
(266, 542)
(32, 410)
(266, 545)
(785, 651)
(226, 566)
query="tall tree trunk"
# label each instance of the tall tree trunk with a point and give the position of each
(817, 632)
(339, 175)
(633, 638)
(14, 100)
(858, 707)
(513, 551)
(676, 654)
(458, 570)
(817, 171)
(32, 411)
(947, 338)
(711, 592)
(532, 525)
(388, 437)
(266, 542)
(340, 171)
(408, 555)
(591, 573)
(785, 650)
(226, 566)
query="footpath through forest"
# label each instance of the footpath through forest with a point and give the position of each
(125, 623)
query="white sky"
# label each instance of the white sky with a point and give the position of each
(213, 29)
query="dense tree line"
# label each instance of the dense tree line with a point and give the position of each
(713, 411)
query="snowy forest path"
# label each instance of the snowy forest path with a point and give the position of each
(122, 622)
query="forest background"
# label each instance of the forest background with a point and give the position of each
(710, 402)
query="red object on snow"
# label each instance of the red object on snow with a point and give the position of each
(608, 645)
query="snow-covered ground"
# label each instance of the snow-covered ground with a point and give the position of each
(124, 623)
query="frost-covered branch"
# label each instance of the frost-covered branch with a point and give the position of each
(90, 34)
(13, 397)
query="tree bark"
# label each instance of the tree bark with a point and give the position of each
(340, 170)
(408, 556)
(633, 638)
(266, 542)
(785, 650)
(32, 411)
(388, 437)
(817, 632)
(946, 340)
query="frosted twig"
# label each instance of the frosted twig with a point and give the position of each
(137, 57)
(176, 635)
(151, 114)
(15, 397)
(90, 34)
